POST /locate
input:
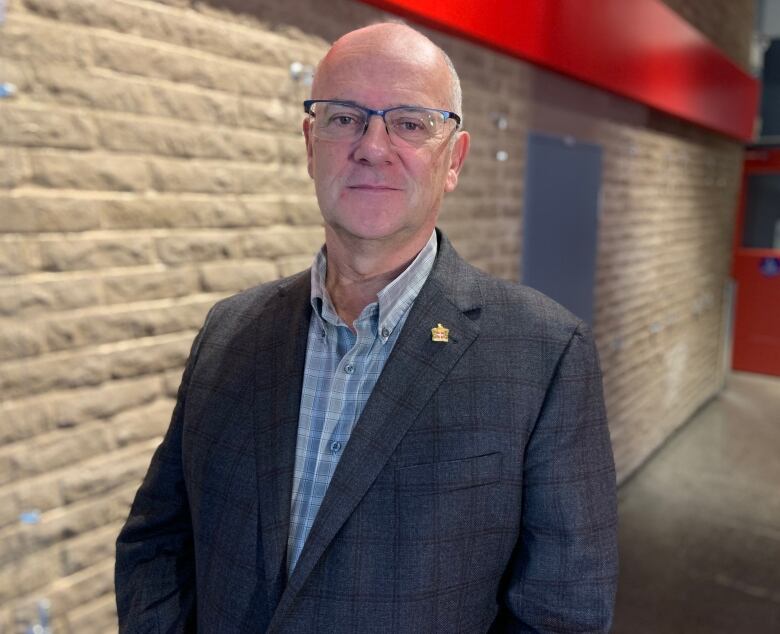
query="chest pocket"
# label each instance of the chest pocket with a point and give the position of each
(450, 475)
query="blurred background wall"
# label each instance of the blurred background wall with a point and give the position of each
(151, 162)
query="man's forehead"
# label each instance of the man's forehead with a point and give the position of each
(404, 64)
(388, 39)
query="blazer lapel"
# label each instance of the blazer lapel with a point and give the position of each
(414, 371)
(279, 363)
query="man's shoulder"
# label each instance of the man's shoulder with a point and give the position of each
(515, 305)
(251, 302)
(506, 305)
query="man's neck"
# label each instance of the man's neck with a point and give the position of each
(359, 269)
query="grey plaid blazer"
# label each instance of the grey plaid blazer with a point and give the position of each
(476, 494)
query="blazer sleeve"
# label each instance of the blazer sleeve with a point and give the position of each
(563, 576)
(155, 565)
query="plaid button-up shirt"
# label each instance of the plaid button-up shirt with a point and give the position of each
(341, 370)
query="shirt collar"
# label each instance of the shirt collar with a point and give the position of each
(394, 300)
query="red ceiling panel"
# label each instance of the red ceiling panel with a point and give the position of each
(639, 49)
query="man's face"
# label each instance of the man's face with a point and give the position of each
(370, 188)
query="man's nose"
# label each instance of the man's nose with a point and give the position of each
(374, 145)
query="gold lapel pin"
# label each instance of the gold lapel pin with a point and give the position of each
(440, 334)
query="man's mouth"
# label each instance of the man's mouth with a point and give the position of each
(378, 188)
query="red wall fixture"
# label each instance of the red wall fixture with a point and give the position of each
(639, 49)
(756, 342)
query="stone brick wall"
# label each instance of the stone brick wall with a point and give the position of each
(152, 163)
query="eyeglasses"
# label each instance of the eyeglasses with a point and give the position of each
(346, 121)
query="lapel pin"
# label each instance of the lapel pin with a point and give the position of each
(440, 334)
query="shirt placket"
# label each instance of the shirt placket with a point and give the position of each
(342, 409)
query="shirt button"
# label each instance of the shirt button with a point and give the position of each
(349, 368)
(385, 333)
(335, 446)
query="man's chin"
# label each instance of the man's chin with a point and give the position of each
(360, 231)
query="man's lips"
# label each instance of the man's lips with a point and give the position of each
(373, 187)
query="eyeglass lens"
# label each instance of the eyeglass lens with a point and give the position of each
(343, 122)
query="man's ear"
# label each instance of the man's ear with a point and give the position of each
(460, 148)
(308, 139)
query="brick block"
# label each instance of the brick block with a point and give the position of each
(60, 372)
(276, 242)
(183, 4)
(261, 179)
(29, 417)
(87, 170)
(150, 356)
(87, 367)
(41, 42)
(96, 617)
(32, 569)
(68, 593)
(22, 297)
(143, 424)
(180, 65)
(25, 575)
(148, 284)
(177, 139)
(188, 103)
(18, 256)
(42, 126)
(97, 477)
(261, 211)
(301, 211)
(198, 247)
(42, 493)
(292, 150)
(105, 325)
(238, 42)
(81, 517)
(172, 211)
(20, 420)
(19, 340)
(52, 450)
(269, 114)
(212, 177)
(94, 253)
(188, 29)
(89, 549)
(73, 86)
(236, 275)
(19, 73)
(24, 214)
(15, 167)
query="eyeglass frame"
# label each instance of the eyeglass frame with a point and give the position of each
(370, 112)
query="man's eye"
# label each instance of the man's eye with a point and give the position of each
(343, 120)
(411, 125)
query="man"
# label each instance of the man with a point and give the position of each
(392, 441)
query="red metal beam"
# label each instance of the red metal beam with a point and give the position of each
(639, 49)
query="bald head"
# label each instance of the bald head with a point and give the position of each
(393, 44)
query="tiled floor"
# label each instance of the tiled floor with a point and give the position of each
(700, 522)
